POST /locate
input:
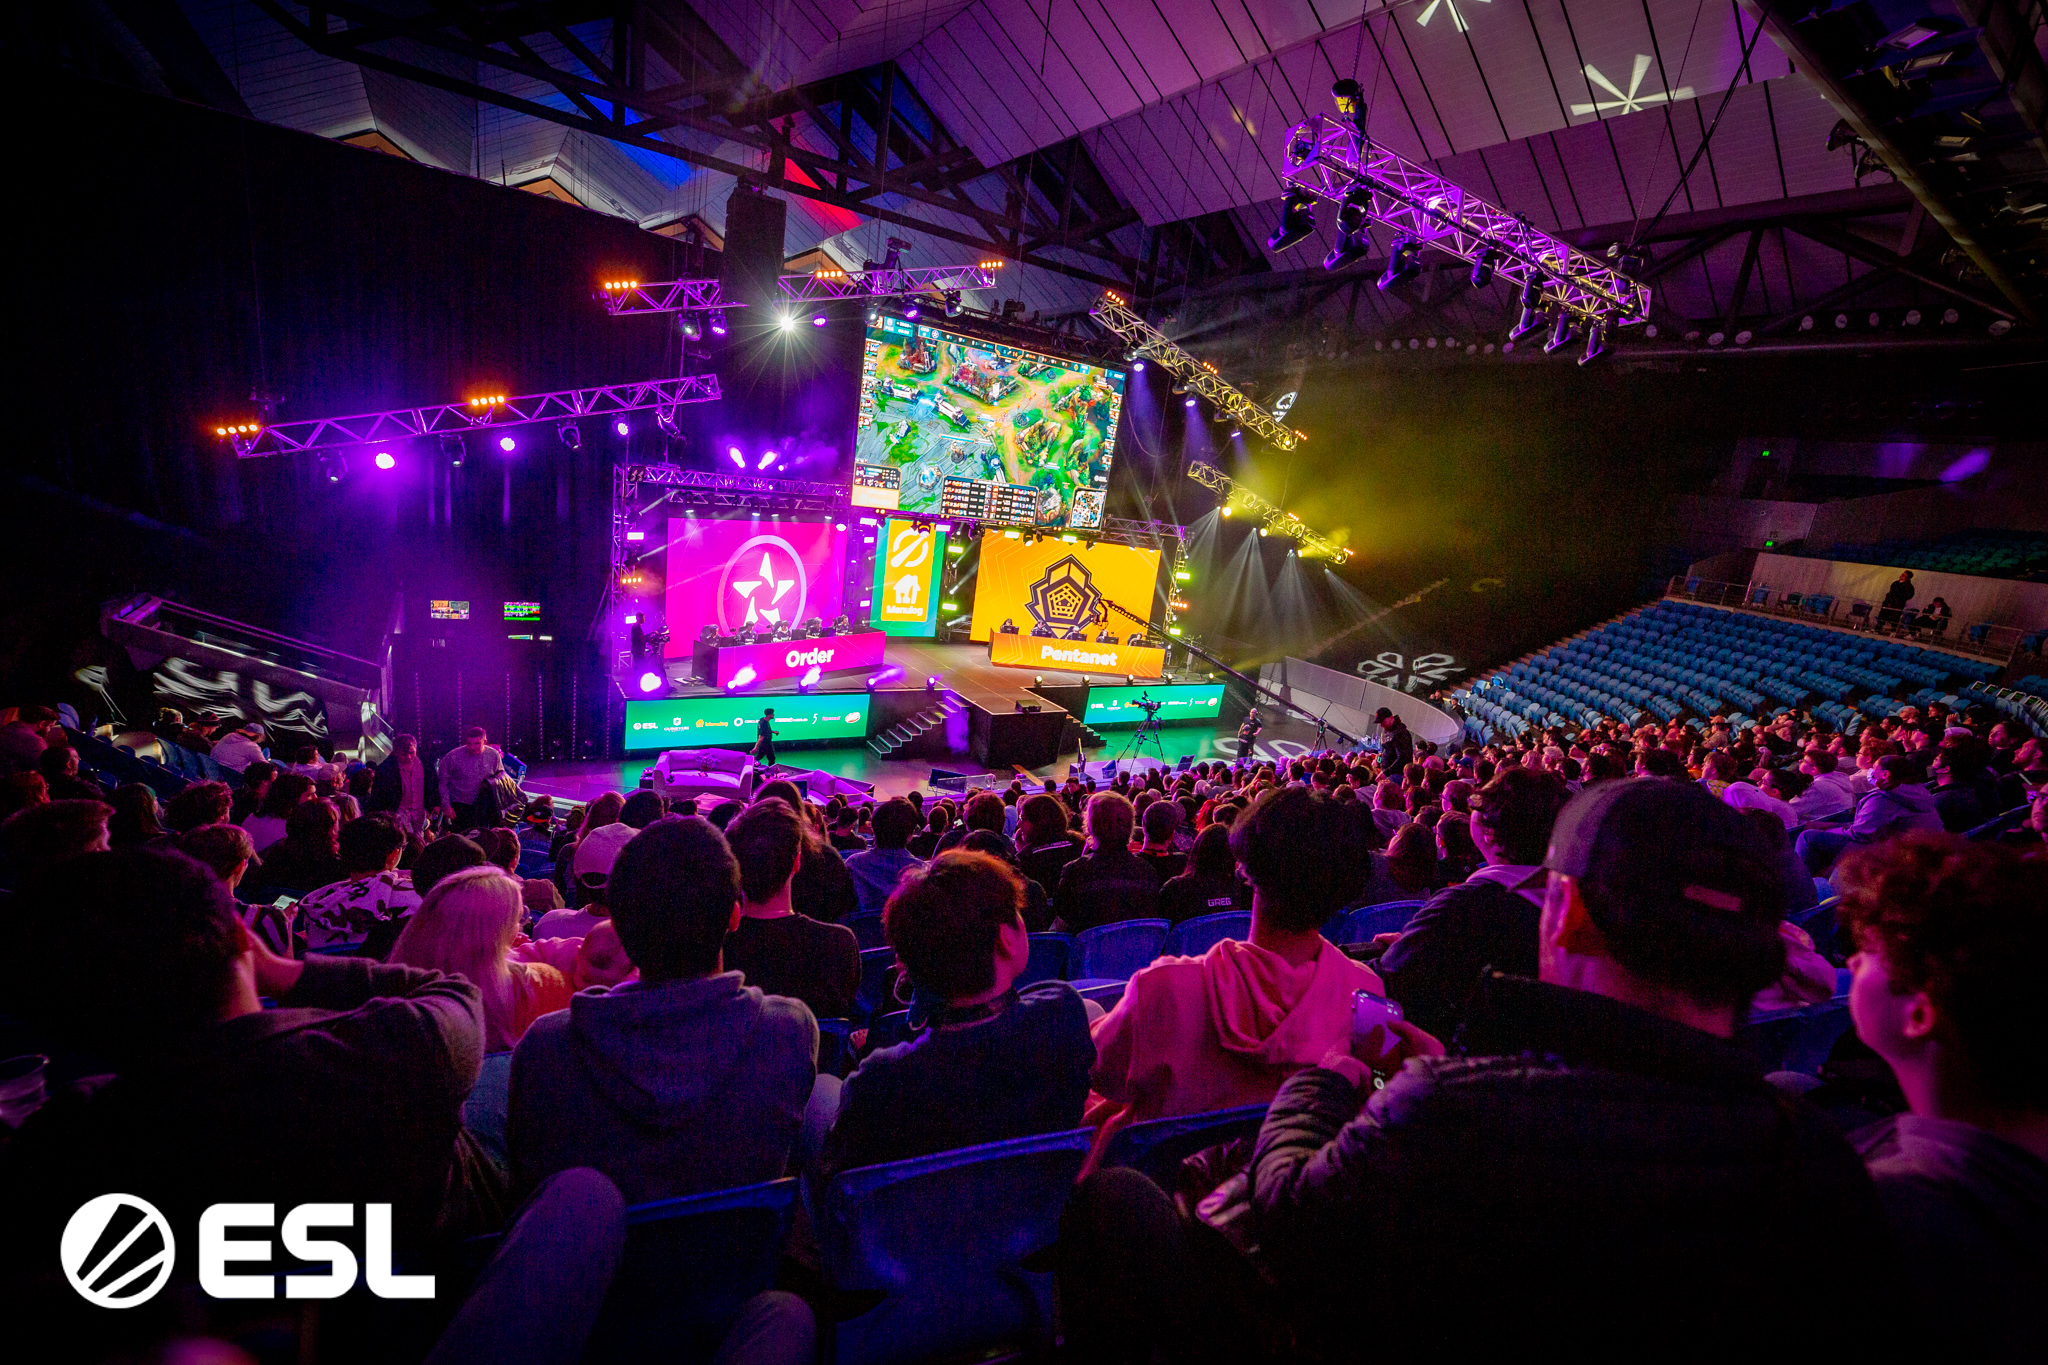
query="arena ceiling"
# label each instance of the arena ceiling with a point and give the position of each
(1871, 166)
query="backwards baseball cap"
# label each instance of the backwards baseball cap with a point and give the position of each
(1685, 890)
(599, 849)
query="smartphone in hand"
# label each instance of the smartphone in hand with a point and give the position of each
(1371, 1042)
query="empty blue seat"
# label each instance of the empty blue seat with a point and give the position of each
(875, 964)
(1111, 952)
(1366, 922)
(1103, 993)
(1048, 959)
(943, 1242)
(835, 1046)
(1157, 1147)
(890, 1029)
(867, 928)
(1797, 1040)
(1193, 937)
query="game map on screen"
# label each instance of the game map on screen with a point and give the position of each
(960, 426)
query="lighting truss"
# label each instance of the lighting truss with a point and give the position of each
(1227, 490)
(818, 286)
(1328, 158)
(286, 438)
(710, 481)
(1200, 377)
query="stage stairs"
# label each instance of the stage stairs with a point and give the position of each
(903, 735)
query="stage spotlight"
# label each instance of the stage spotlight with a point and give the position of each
(910, 311)
(1561, 332)
(1404, 262)
(385, 460)
(1191, 401)
(716, 320)
(451, 449)
(786, 321)
(622, 428)
(769, 458)
(744, 676)
(809, 680)
(1482, 269)
(931, 684)
(952, 298)
(1532, 311)
(1354, 238)
(334, 467)
(1596, 341)
(507, 444)
(1297, 221)
(733, 453)
(818, 320)
(1038, 679)
(1237, 433)
(1350, 99)
(570, 435)
(691, 328)
(1226, 509)
(651, 682)
(1137, 366)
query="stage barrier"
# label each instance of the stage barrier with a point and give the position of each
(701, 722)
(1076, 656)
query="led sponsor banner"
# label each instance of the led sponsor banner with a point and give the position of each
(793, 660)
(907, 564)
(1076, 656)
(1110, 706)
(758, 571)
(707, 722)
(1061, 585)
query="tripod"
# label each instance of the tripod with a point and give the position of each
(1134, 747)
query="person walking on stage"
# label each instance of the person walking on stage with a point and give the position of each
(764, 746)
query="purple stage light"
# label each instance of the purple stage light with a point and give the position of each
(507, 444)
(651, 682)
(385, 460)
(1191, 401)
(622, 428)
(1137, 365)
(818, 321)
(742, 678)
(636, 535)
(910, 311)
(733, 452)
(810, 677)
(770, 458)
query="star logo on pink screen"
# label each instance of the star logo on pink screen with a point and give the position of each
(763, 583)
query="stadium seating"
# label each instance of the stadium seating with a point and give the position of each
(1673, 658)
(1158, 1147)
(1363, 924)
(1193, 937)
(1985, 554)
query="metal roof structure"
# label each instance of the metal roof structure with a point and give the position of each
(1874, 167)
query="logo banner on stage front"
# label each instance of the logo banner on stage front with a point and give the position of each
(758, 571)
(907, 578)
(785, 660)
(1076, 656)
(1060, 586)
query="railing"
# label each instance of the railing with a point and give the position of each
(1982, 639)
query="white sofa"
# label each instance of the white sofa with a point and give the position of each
(701, 772)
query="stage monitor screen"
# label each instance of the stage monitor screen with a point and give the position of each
(522, 611)
(1108, 706)
(959, 426)
(762, 572)
(907, 577)
(710, 722)
(445, 609)
(1057, 586)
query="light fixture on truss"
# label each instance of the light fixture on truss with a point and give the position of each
(1194, 377)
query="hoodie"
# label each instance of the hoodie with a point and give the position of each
(1881, 814)
(1193, 1034)
(669, 1089)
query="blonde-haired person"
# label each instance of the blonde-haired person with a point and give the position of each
(466, 926)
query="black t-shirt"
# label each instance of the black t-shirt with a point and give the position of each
(1167, 865)
(848, 842)
(823, 888)
(1433, 968)
(796, 956)
(1193, 893)
(1103, 887)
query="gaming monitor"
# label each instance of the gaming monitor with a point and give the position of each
(960, 426)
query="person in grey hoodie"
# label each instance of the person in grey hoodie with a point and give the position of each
(685, 1081)
(1897, 801)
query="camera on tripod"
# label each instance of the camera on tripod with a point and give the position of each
(1147, 705)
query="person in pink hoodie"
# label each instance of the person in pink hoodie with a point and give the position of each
(1193, 1034)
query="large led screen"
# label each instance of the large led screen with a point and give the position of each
(707, 722)
(1060, 585)
(907, 565)
(1109, 706)
(759, 571)
(964, 427)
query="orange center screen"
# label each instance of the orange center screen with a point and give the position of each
(1058, 585)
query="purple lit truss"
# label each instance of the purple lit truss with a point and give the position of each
(1328, 159)
(1198, 376)
(821, 286)
(662, 395)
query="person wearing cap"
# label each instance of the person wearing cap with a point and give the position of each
(237, 749)
(1605, 1159)
(1397, 745)
(596, 852)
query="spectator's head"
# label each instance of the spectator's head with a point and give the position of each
(940, 818)
(1304, 855)
(465, 926)
(1389, 796)
(602, 811)
(894, 821)
(227, 849)
(1665, 898)
(371, 844)
(166, 951)
(1454, 842)
(135, 820)
(1950, 936)
(405, 746)
(723, 812)
(447, 855)
(674, 896)
(1109, 821)
(58, 760)
(40, 719)
(257, 780)
(957, 925)
(602, 960)
(1457, 796)
(1818, 761)
(19, 791)
(1894, 770)
(1660, 763)
(201, 803)
(1785, 784)
(1411, 858)
(1042, 820)
(314, 827)
(990, 842)
(1512, 815)
(50, 832)
(1162, 818)
(767, 840)
(1212, 856)
(642, 809)
(285, 794)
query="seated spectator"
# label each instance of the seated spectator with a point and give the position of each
(1744, 794)
(595, 855)
(1831, 793)
(226, 849)
(1964, 797)
(1193, 1034)
(1896, 803)
(776, 949)
(285, 794)
(996, 1062)
(309, 855)
(1109, 882)
(201, 803)
(685, 1081)
(465, 927)
(1159, 821)
(1045, 843)
(349, 1092)
(1457, 856)
(137, 817)
(1210, 886)
(1605, 1115)
(446, 856)
(1389, 808)
(257, 779)
(23, 739)
(985, 811)
(44, 835)
(239, 748)
(1489, 919)
(1405, 870)
(1787, 785)
(1950, 936)
(1661, 763)
(371, 891)
(876, 871)
(59, 766)
(19, 791)
(1037, 905)
(823, 889)
(926, 841)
